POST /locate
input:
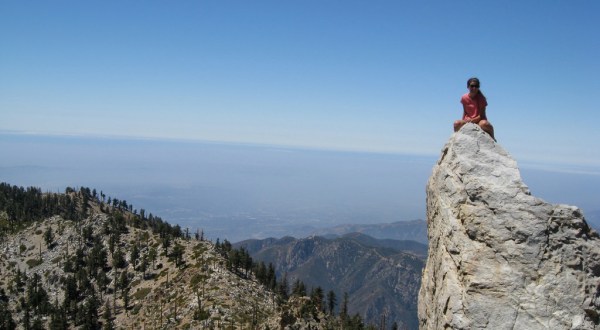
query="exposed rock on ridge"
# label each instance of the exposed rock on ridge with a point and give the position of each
(500, 258)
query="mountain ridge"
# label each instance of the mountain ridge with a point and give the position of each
(382, 281)
(415, 230)
(98, 263)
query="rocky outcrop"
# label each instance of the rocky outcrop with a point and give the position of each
(500, 258)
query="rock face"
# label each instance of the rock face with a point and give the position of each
(500, 258)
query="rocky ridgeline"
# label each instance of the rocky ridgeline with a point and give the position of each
(500, 258)
(166, 296)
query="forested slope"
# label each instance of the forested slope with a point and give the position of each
(83, 260)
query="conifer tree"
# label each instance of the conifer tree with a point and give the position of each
(58, 318)
(152, 254)
(331, 301)
(6, 318)
(166, 243)
(317, 297)
(108, 321)
(344, 308)
(271, 278)
(49, 237)
(299, 289)
(134, 256)
(283, 287)
(90, 312)
(102, 280)
(119, 259)
(178, 251)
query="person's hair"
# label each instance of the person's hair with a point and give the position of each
(475, 80)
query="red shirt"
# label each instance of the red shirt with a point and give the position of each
(473, 106)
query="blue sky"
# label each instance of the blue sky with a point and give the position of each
(382, 76)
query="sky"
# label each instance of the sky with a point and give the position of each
(380, 76)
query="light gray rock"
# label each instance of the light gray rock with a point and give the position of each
(500, 258)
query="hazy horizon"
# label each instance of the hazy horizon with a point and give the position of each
(319, 112)
(351, 75)
(239, 191)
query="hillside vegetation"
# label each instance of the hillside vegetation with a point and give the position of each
(381, 276)
(82, 260)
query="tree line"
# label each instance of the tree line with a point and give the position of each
(22, 206)
(90, 277)
(85, 261)
(240, 262)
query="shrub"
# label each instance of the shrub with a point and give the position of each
(201, 315)
(196, 279)
(136, 309)
(141, 293)
(33, 262)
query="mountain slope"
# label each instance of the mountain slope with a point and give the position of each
(102, 265)
(196, 293)
(379, 280)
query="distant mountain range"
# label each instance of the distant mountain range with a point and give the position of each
(381, 277)
(414, 230)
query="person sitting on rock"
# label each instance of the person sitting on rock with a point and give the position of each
(474, 104)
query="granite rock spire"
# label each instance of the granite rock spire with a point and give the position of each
(500, 258)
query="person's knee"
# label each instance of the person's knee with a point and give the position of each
(487, 127)
(485, 124)
(458, 124)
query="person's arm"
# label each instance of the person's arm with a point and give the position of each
(477, 119)
(482, 114)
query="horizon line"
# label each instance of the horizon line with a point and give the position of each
(208, 141)
(526, 163)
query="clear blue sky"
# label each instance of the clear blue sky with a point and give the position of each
(353, 75)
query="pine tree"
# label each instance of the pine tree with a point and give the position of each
(134, 256)
(49, 237)
(58, 318)
(166, 243)
(261, 273)
(344, 309)
(90, 312)
(177, 253)
(102, 280)
(6, 318)
(125, 296)
(119, 259)
(331, 301)
(317, 297)
(271, 278)
(144, 266)
(299, 289)
(123, 281)
(108, 321)
(283, 287)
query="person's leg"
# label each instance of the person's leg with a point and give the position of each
(458, 124)
(487, 127)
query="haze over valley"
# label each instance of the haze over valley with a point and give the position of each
(253, 191)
